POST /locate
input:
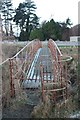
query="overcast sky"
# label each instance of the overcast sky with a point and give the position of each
(59, 10)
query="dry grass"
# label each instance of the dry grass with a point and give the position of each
(46, 109)
(62, 109)
(70, 51)
(42, 110)
(10, 49)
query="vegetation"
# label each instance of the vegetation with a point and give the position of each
(26, 19)
(27, 22)
(46, 109)
(61, 109)
(7, 13)
(52, 29)
(9, 50)
(1, 3)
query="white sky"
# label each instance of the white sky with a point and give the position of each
(59, 10)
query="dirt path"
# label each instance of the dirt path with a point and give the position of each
(23, 110)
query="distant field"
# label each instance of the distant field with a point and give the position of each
(70, 50)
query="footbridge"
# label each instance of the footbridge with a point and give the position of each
(37, 66)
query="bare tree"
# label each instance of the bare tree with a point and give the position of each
(7, 11)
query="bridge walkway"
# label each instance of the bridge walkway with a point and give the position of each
(42, 57)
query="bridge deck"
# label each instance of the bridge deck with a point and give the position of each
(42, 57)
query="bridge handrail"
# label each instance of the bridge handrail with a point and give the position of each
(56, 47)
(17, 53)
(20, 50)
(66, 60)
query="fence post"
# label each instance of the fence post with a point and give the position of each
(66, 77)
(12, 89)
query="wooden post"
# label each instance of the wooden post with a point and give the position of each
(66, 77)
(12, 89)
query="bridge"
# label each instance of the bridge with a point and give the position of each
(36, 66)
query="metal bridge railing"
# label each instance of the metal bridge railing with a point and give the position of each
(14, 69)
(57, 86)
